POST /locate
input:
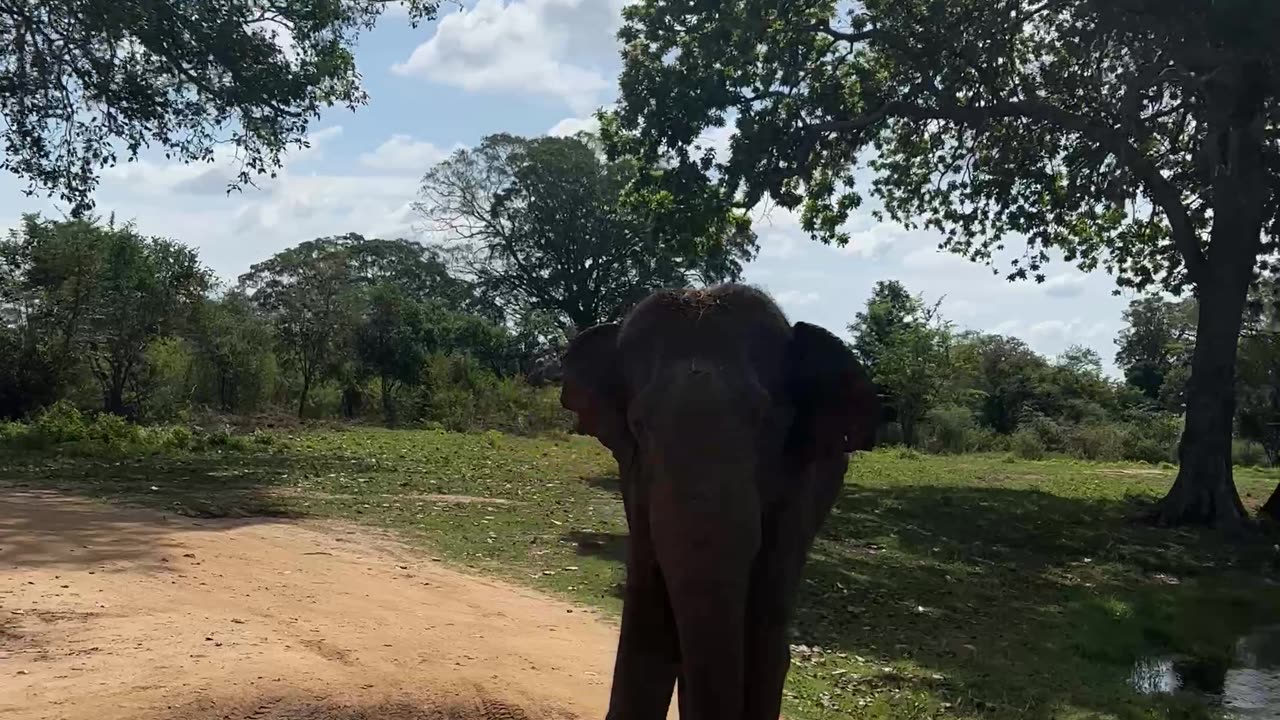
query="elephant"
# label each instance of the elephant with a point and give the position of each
(732, 429)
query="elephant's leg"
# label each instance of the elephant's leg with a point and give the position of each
(789, 531)
(705, 544)
(647, 660)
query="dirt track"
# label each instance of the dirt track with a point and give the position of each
(110, 613)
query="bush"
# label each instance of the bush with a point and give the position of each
(1153, 439)
(953, 429)
(112, 432)
(1246, 453)
(460, 395)
(1028, 445)
(1099, 442)
(61, 422)
(1052, 435)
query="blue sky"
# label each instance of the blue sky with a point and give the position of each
(531, 67)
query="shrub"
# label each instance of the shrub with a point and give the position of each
(460, 395)
(954, 429)
(1052, 435)
(112, 432)
(61, 422)
(1096, 441)
(1247, 453)
(1028, 445)
(1153, 438)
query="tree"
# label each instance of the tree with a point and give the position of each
(234, 343)
(334, 304)
(1007, 377)
(1143, 137)
(391, 342)
(909, 351)
(146, 290)
(102, 293)
(1157, 340)
(889, 306)
(540, 225)
(309, 295)
(83, 82)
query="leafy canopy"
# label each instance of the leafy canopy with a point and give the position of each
(1093, 127)
(82, 83)
(543, 225)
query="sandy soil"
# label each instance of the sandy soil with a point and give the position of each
(112, 613)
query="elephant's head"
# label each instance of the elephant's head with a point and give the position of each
(722, 368)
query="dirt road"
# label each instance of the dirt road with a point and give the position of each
(110, 613)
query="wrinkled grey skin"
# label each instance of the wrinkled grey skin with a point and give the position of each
(732, 430)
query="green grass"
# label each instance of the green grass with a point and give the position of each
(943, 587)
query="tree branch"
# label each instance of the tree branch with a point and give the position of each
(1162, 192)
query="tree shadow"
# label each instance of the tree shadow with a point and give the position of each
(461, 707)
(606, 545)
(1019, 602)
(46, 521)
(605, 483)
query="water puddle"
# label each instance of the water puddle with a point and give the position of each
(1246, 685)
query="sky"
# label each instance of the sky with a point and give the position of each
(532, 67)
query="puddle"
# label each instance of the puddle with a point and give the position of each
(1246, 685)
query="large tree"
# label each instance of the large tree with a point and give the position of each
(1142, 136)
(541, 225)
(83, 83)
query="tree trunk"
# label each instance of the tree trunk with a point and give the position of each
(1205, 491)
(302, 398)
(1272, 508)
(388, 405)
(907, 421)
(115, 396)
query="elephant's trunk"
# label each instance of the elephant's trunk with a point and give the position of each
(705, 525)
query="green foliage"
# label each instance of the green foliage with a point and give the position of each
(1155, 347)
(459, 394)
(953, 430)
(100, 294)
(1098, 442)
(235, 366)
(184, 76)
(66, 429)
(542, 226)
(987, 119)
(1246, 453)
(908, 349)
(1027, 444)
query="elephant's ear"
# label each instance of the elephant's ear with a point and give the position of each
(592, 385)
(836, 404)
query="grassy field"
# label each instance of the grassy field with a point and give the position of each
(944, 587)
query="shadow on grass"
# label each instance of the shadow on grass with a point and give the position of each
(605, 483)
(607, 545)
(43, 523)
(1024, 602)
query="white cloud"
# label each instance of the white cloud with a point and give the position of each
(403, 153)
(574, 125)
(147, 177)
(797, 298)
(552, 48)
(1062, 330)
(874, 243)
(1065, 286)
